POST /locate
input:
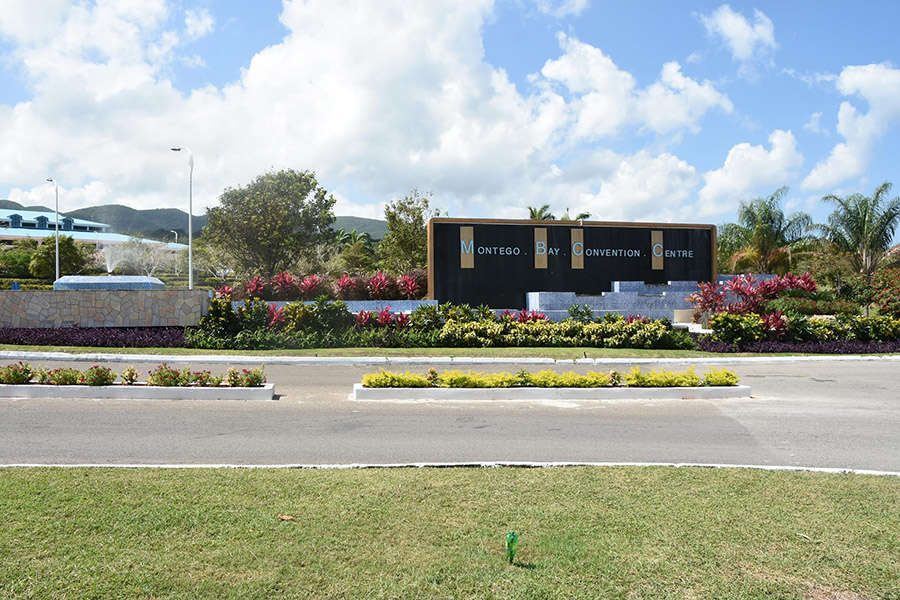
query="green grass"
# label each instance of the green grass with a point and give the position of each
(438, 533)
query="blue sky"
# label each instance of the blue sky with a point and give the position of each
(670, 111)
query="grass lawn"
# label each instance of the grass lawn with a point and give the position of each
(439, 533)
(557, 353)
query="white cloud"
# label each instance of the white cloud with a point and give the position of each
(814, 124)
(562, 8)
(198, 23)
(746, 41)
(747, 169)
(372, 124)
(879, 86)
(605, 97)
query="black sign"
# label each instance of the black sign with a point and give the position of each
(497, 262)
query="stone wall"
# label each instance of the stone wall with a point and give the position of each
(102, 308)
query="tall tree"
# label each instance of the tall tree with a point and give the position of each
(540, 214)
(863, 227)
(578, 216)
(403, 247)
(771, 237)
(268, 225)
(73, 258)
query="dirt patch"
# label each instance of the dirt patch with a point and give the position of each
(815, 591)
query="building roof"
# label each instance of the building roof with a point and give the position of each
(81, 236)
(32, 215)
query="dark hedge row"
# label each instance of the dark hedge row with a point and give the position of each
(108, 337)
(708, 344)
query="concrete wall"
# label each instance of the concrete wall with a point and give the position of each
(102, 308)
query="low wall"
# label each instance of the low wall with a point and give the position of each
(102, 308)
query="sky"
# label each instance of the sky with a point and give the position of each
(649, 110)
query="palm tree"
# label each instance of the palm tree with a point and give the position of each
(770, 236)
(540, 214)
(582, 216)
(863, 227)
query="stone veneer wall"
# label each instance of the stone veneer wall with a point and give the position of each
(102, 308)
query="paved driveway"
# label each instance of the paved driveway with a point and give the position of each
(843, 414)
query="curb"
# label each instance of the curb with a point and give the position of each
(458, 465)
(412, 360)
(136, 392)
(526, 394)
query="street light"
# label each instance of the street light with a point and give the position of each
(176, 235)
(190, 211)
(53, 181)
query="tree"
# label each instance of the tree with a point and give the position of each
(863, 227)
(14, 261)
(770, 236)
(578, 217)
(265, 227)
(403, 247)
(540, 214)
(73, 258)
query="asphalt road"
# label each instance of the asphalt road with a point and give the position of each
(843, 414)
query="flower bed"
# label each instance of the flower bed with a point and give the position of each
(457, 386)
(112, 337)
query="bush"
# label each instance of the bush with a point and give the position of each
(581, 313)
(113, 337)
(737, 329)
(546, 379)
(381, 286)
(810, 306)
(246, 377)
(166, 376)
(129, 376)
(720, 377)
(64, 376)
(97, 375)
(284, 287)
(313, 286)
(637, 378)
(886, 292)
(18, 373)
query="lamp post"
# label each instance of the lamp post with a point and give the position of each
(176, 235)
(190, 213)
(56, 185)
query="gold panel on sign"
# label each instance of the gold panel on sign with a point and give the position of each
(466, 248)
(657, 250)
(540, 247)
(577, 248)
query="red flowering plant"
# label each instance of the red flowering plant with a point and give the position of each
(408, 286)
(365, 318)
(775, 325)
(385, 317)
(743, 294)
(401, 320)
(345, 287)
(530, 316)
(276, 316)
(380, 286)
(311, 286)
(255, 287)
(637, 319)
(225, 291)
(285, 286)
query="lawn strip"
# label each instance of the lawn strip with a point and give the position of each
(640, 532)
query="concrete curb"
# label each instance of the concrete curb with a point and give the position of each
(137, 392)
(236, 359)
(455, 465)
(608, 394)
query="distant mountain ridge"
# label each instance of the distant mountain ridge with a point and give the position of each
(158, 223)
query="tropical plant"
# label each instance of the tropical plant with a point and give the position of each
(863, 227)
(403, 247)
(770, 238)
(540, 214)
(582, 216)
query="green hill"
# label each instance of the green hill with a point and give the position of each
(158, 223)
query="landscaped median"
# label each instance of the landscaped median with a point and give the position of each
(549, 385)
(20, 380)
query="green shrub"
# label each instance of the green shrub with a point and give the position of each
(637, 378)
(570, 379)
(246, 377)
(581, 313)
(253, 314)
(873, 329)
(720, 377)
(65, 376)
(99, 376)
(166, 376)
(809, 306)
(220, 321)
(129, 376)
(15, 374)
(205, 379)
(426, 316)
(389, 379)
(735, 329)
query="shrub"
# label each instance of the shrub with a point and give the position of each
(737, 329)
(408, 286)
(426, 316)
(115, 337)
(380, 286)
(312, 286)
(15, 374)
(812, 306)
(746, 293)
(253, 314)
(129, 376)
(65, 376)
(97, 375)
(581, 313)
(886, 292)
(205, 379)
(222, 319)
(637, 378)
(720, 377)
(256, 288)
(345, 288)
(246, 377)
(166, 376)
(389, 379)
(284, 287)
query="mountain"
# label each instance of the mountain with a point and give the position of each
(376, 228)
(158, 223)
(17, 206)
